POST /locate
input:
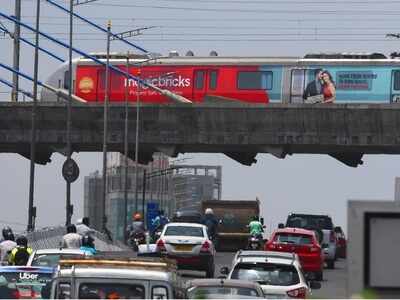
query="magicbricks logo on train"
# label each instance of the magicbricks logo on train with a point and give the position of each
(161, 82)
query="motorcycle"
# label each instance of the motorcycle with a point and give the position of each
(255, 242)
(137, 238)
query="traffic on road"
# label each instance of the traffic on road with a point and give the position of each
(165, 263)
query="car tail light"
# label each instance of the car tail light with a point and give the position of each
(270, 246)
(15, 294)
(297, 293)
(206, 247)
(161, 246)
(332, 237)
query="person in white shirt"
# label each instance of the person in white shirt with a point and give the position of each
(7, 245)
(71, 239)
(83, 227)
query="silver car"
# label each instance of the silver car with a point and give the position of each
(51, 257)
(107, 278)
(189, 245)
(223, 289)
(279, 274)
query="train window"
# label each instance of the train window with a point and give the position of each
(254, 80)
(66, 80)
(213, 80)
(199, 80)
(396, 81)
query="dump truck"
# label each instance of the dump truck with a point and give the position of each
(234, 215)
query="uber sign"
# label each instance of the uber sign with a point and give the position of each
(28, 276)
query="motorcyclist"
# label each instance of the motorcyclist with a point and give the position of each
(255, 227)
(159, 222)
(136, 228)
(211, 222)
(71, 239)
(20, 255)
(7, 245)
(83, 227)
(88, 245)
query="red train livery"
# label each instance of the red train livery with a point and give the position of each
(187, 77)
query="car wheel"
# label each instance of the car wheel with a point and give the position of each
(330, 264)
(210, 269)
(319, 276)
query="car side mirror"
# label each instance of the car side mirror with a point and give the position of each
(337, 229)
(281, 225)
(262, 221)
(224, 270)
(315, 285)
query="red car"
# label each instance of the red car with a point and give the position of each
(302, 242)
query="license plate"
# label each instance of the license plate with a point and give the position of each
(183, 247)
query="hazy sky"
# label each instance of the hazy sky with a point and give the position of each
(299, 183)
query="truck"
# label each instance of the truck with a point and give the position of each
(234, 215)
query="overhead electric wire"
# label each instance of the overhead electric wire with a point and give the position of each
(257, 11)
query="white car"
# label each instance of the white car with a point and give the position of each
(189, 245)
(279, 274)
(51, 257)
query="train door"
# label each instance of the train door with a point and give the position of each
(297, 86)
(200, 84)
(395, 87)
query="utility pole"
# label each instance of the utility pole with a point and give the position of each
(16, 36)
(105, 127)
(126, 148)
(32, 209)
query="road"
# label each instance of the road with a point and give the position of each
(333, 286)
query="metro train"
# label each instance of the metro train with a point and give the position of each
(352, 78)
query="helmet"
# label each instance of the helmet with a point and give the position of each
(8, 234)
(87, 241)
(71, 228)
(137, 217)
(22, 241)
(209, 211)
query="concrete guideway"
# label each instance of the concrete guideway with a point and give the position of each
(343, 131)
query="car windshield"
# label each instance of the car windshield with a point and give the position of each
(184, 231)
(266, 273)
(297, 239)
(310, 222)
(51, 260)
(221, 292)
(111, 291)
(23, 285)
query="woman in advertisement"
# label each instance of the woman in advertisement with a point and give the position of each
(328, 87)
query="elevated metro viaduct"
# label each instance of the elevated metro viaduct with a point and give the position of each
(240, 131)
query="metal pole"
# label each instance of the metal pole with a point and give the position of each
(137, 143)
(69, 150)
(126, 149)
(31, 211)
(144, 193)
(106, 98)
(16, 37)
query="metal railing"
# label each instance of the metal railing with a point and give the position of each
(51, 238)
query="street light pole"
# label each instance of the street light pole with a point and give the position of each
(137, 142)
(126, 149)
(32, 209)
(69, 150)
(105, 127)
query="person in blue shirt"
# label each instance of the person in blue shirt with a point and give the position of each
(88, 245)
